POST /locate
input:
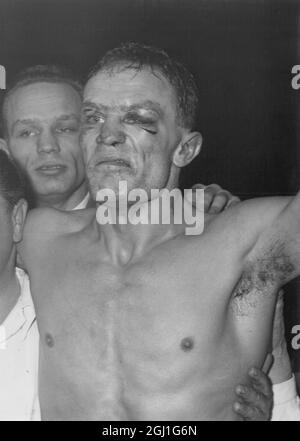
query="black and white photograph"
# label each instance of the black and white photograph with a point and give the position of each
(149, 213)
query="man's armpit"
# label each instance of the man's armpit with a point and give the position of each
(266, 273)
(273, 258)
(252, 287)
(277, 248)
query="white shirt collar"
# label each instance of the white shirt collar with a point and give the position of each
(22, 316)
(83, 203)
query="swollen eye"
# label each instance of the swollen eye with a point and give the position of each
(152, 132)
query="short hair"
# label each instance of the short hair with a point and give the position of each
(39, 74)
(12, 184)
(137, 56)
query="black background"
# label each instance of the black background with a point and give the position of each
(241, 53)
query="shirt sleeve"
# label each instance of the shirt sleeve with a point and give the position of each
(286, 401)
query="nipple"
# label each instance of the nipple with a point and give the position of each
(187, 344)
(49, 340)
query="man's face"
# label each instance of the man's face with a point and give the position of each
(43, 136)
(129, 130)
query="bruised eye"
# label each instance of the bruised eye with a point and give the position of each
(147, 124)
(151, 131)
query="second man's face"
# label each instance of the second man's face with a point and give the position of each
(43, 136)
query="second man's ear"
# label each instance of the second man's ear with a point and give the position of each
(188, 149)
(18, 218)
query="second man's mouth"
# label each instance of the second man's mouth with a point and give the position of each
(51, 169)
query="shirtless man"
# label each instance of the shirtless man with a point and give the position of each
(134, 345)
(41, 116)
(41, 125)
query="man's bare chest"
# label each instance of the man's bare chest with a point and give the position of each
(170, 296)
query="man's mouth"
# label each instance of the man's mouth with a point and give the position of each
(51, 169)
(113, 162)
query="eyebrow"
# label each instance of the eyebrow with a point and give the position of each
(147, 105)
(33, 121)
(68, 116)
(23, 121)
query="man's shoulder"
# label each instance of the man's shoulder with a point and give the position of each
(237, 229)
(46, 229)
(50, 222)
(253, 214)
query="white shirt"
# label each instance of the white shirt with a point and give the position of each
(19, 344)
(286, 401)
(83, 203)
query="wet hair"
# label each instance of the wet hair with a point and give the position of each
(38, 74)
(12, 184)
(138, 56)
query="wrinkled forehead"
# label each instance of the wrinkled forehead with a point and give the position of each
(130, 86)
(42, 99)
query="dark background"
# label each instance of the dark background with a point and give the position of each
(241, 53)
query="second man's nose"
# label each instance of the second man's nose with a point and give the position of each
(48, 143)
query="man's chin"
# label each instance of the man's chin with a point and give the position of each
(117, 186)
(50, 190)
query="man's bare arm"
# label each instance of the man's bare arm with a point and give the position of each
(276, 253)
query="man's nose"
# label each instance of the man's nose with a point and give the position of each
(111, 133)
(47, 143)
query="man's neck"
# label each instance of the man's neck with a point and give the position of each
(126, 241)
(62, 202)
(9, 288)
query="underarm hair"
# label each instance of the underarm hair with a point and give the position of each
(265, 273)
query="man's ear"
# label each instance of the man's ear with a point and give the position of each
(188, 149)
(18, 218)
(4, 146)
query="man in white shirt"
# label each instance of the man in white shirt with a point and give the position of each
(18, 330)
(46, 115)
(19, 358)
(41, 131)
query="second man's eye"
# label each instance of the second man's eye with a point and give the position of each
(69, 129)
(26, 133)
